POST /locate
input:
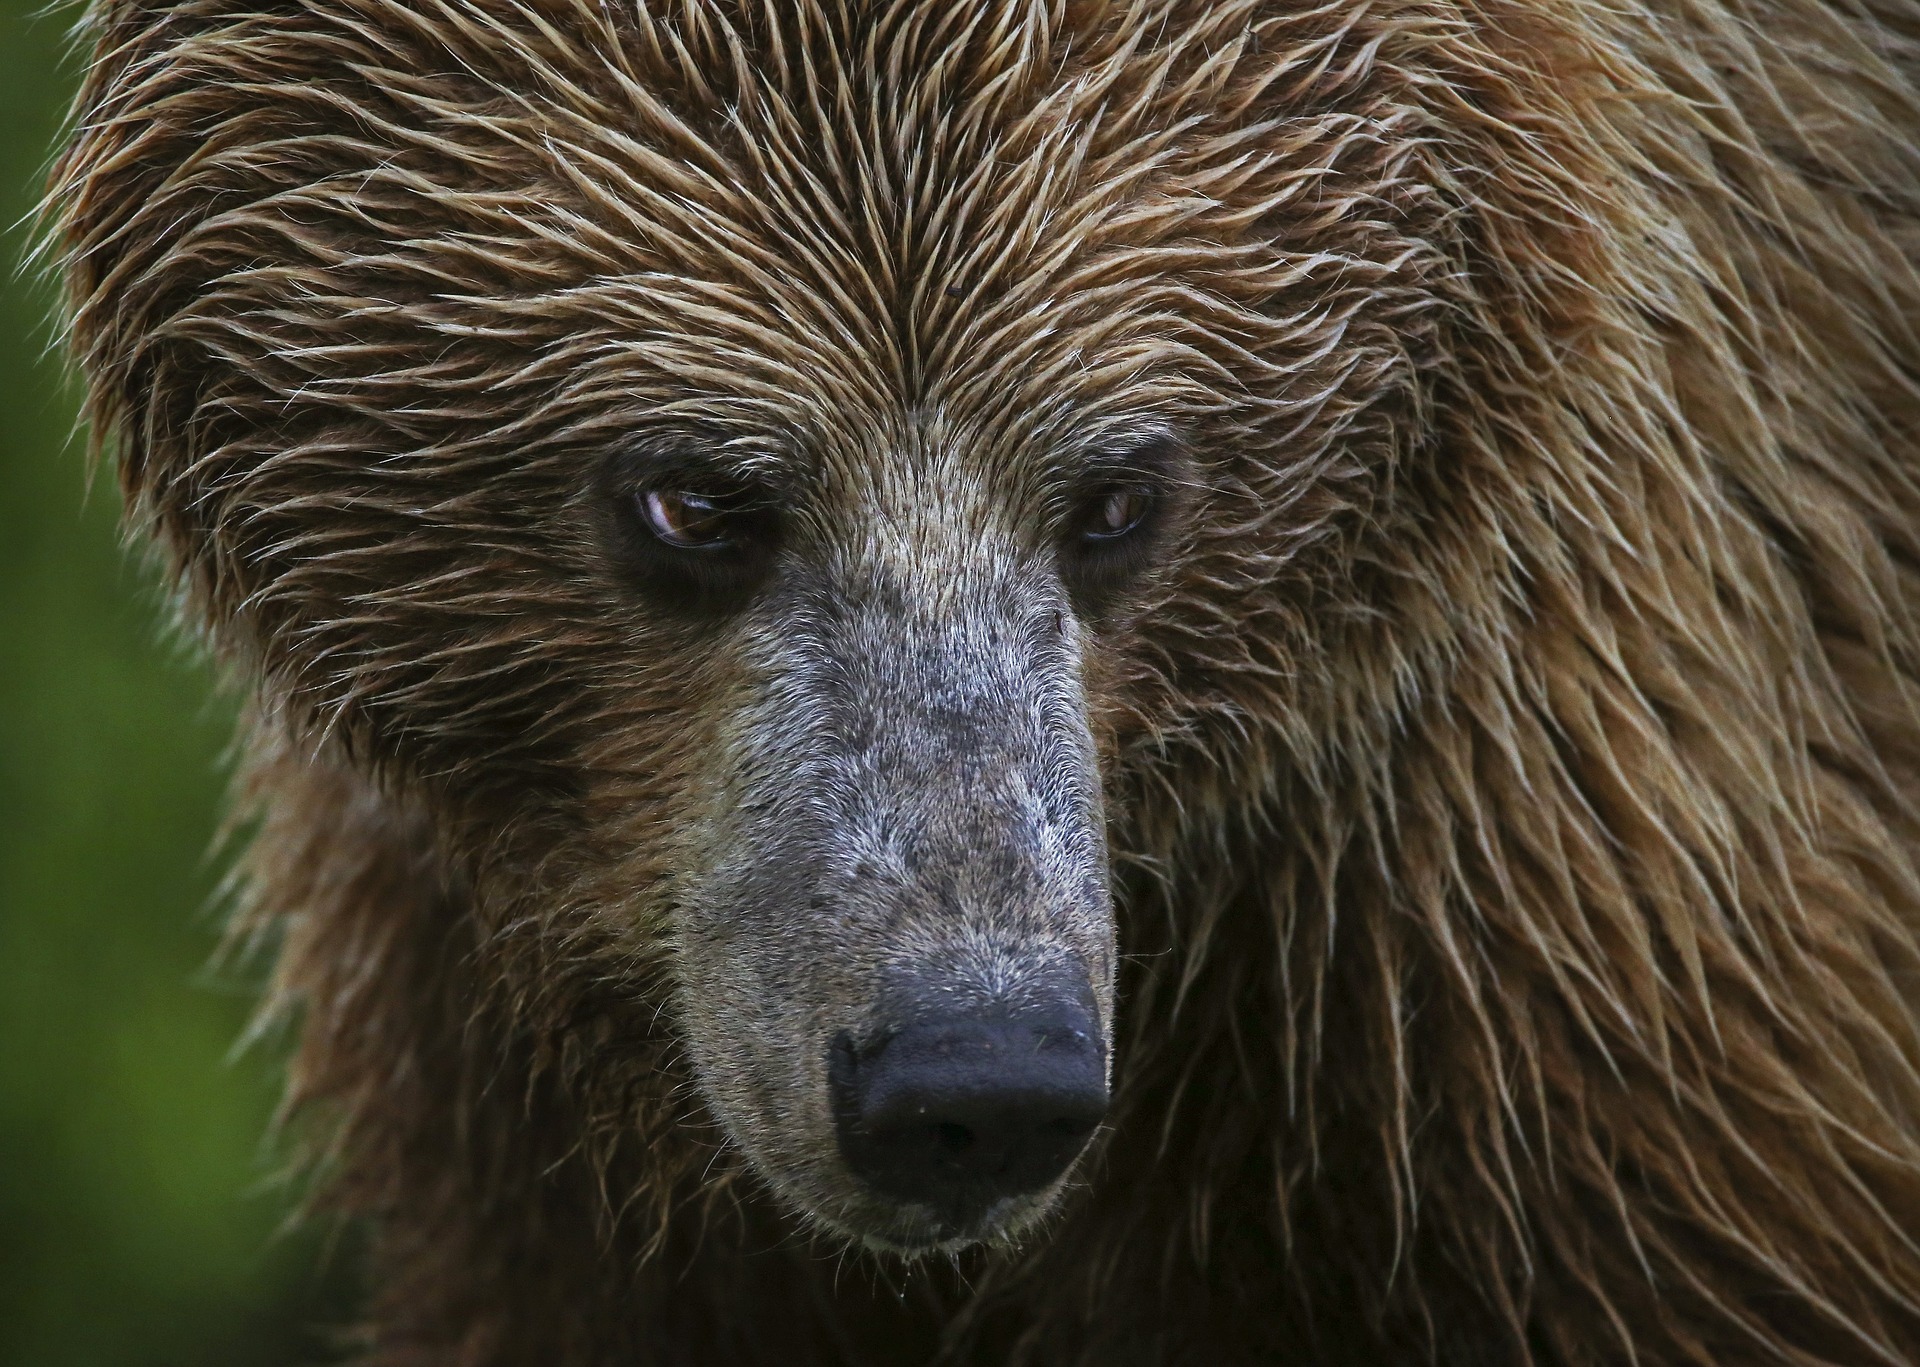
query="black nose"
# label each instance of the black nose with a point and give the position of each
(959, 1113)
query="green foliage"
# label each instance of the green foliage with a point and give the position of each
(139, 1222)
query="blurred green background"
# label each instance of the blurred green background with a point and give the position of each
(139, 1219)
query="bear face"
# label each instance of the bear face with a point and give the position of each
(765, 565)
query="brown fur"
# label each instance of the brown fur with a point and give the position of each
(1510, 772)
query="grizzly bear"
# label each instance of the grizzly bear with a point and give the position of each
(1044, 681)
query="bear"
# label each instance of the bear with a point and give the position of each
(1053, 681)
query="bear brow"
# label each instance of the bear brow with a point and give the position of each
(1156, 456)
(698, 459)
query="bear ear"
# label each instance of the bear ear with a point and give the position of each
(160, 128)
(99, 231)
(213, 240)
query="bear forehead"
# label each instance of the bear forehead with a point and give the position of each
(800, 213)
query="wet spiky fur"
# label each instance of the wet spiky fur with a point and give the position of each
(1510, 772)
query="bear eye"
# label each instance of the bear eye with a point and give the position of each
(689, 521)
(1109, 539)
(1111, 514)
(688, 539)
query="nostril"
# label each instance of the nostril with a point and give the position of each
(954, 1138)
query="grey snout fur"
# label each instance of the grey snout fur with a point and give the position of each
(913, 840)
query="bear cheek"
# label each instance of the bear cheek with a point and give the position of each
(756, 997)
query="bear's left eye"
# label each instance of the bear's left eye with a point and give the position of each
(1109, 539)
(690, 521)
(1112, 513)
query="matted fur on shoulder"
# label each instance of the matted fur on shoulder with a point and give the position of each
(1512, 786)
